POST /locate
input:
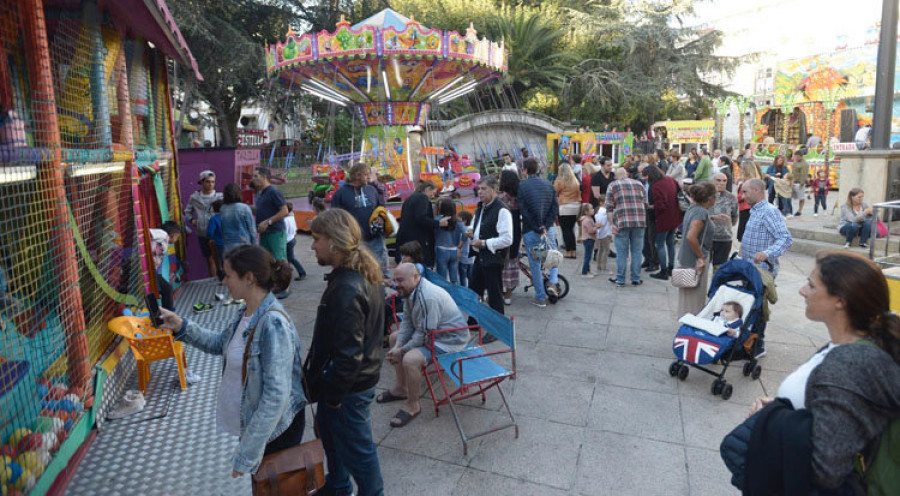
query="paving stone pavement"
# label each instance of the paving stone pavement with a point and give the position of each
(598, 412)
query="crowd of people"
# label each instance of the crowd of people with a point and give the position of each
(641, 209)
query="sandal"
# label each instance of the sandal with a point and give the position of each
(403, 417)
(388, 397)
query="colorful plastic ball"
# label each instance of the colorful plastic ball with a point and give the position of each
(57, 392)
(42, 390)
(26, 480)
(78, 391)
(66, 406)
(9, 471)
(8, 450)
(18, 434)
(49, 441)
(76, 402)
(69, 424)
(61, 437)
(31, 462)
(43, 424)
(29, 443)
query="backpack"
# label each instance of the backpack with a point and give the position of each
(882, 476)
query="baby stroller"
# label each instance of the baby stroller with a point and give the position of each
(697, 342)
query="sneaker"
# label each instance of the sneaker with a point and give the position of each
(589, 275)
(553, 289)
(637, 283)
(863, 245)
(612, 254)
(815, 215)
(190, 377)
(539, 303)
(202, 307)
(300, 277)
(507, 301)
(617, 283)
(797, 214)
(760, 349)
(132, 402)
(661, 275)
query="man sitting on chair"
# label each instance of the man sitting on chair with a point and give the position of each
(426, 308)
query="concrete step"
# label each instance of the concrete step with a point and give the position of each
(812, 247)
(830, 235)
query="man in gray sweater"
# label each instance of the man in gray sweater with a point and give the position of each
(427, 308)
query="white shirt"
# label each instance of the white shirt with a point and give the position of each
(511, 167)
(602, 223)
(862, 134)
(290, 227)
(504, 230)
(228, 403)
(576, 169)
(793, 387)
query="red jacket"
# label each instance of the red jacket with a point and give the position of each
(585, 187)
(665, 204)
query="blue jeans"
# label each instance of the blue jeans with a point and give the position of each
(347, 438)
(465, 273)
(588, 253)
(629, 240)
(446, 263)
(665, 249)
(292, 259)
(532, 239)
(852, 230)
(785, 205)
(376, 245)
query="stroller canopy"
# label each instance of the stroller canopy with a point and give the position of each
(738, 270)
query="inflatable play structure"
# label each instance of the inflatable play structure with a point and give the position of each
(87, 165)
(389, 70)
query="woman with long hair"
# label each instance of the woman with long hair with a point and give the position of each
(850, 388)
(693, 161)
(779, 177)
(344, 361)
(695, 249)
(568, 193)
(857, 218)
(238, 227)
(509, 191)
(261, 396)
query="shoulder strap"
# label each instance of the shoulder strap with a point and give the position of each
(250, 340)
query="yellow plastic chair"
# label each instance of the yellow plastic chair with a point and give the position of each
(149, 344)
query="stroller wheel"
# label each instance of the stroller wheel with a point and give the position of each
(748, 368)
(756, 371)
(683, 372)
(673, 369)
(726, 392)
(717, 386)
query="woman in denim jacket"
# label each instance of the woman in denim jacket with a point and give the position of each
(238, 226)
(265, 408)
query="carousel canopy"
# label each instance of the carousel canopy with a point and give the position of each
(388, 67)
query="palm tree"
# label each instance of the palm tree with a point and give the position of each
(537, 56)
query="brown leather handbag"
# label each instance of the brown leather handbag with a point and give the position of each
(293, 471)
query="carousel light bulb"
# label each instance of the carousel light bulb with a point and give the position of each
(368, 79)
(387, 87)
(324, 97)
(445, 88)
(397, 73)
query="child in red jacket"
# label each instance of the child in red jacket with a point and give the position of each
(820, 186)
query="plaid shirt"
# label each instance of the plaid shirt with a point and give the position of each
(626, 199)
(765, 232)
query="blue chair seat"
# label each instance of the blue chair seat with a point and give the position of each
(473, 370)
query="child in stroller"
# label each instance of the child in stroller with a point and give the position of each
(716, 334)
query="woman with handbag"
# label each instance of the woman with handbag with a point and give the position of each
(839, 402)
(568, 193)
(691, 277)
(857, 219)
(261, 398)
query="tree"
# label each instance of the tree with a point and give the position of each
(227, 38)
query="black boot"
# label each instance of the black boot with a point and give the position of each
(662, 275)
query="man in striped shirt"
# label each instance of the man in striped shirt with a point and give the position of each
(765, 238)
(626, 206)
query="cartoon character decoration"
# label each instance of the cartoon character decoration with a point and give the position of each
(819, 80)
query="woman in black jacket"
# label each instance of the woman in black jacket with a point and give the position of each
(345, 356)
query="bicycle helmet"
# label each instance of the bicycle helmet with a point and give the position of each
(553, 259)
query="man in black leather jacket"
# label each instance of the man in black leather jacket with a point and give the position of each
(344, 360)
